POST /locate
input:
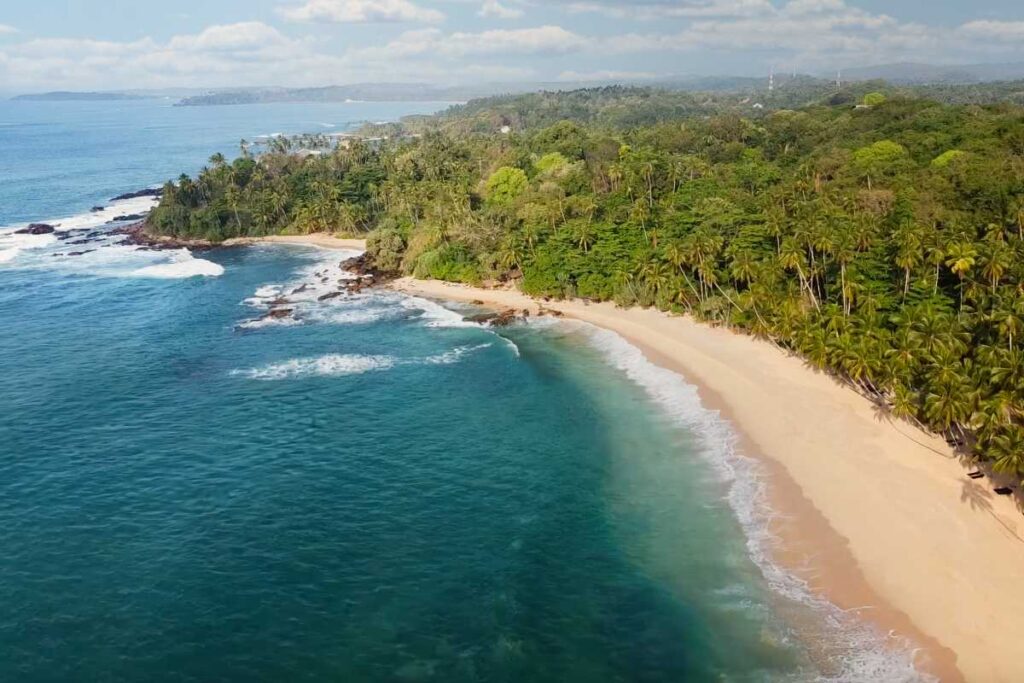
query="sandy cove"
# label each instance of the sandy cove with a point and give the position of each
(880, 517)
(322, 240)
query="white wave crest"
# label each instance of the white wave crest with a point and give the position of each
(11, 239)
(267, 321)
(94, 219)
(338, 365)
(333, 365)
(856, 650)
(182, 265)
(8, 255)
(268, 292)
(453, 356)
(357, 316)
(435, 314)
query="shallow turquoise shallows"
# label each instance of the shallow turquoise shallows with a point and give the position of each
(371, 491)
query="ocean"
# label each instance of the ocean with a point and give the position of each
(376, 490)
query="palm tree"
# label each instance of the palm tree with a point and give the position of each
(948, 405)
(791, 257)
(960, 258)
(1008, 449)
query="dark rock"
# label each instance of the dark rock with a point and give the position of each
(84, 241)
(97, 208)
(128, 217)
(477, 302)
(136, 236)
(80, 253)
(328, 297)
(61, 234)
(36, 229)
(279, 313)
(481, 318)
(300, 290)
(504, 319)
(148, 192)
(280, 301)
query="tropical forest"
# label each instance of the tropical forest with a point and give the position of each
(877, 234)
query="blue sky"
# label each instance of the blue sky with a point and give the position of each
(84, 44)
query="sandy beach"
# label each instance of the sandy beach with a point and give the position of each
(322, 240)
(879, 517)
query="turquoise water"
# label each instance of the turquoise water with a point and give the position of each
(375, 491)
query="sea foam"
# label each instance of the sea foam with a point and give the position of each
(340, 365)
(855, 650)
(101, 254)
(182, 265)
(332, 365)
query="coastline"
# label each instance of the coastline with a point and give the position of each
(138, 235)
(887, 526)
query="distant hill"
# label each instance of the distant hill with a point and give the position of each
(914, 73)
(67, 96)
(369, 92)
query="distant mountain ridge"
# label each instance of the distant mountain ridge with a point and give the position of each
(918, 73)
(370, 92)
(68, 96)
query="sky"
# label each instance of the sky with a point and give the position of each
(119, 44)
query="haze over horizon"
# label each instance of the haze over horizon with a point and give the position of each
(52, 45)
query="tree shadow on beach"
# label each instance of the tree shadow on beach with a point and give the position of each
(975, 495)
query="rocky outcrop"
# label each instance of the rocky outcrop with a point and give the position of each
(136, 235)
(497, 318)
(365, 272)
(36, 229)
(148, 192)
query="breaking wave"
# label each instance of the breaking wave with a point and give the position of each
(339, 365)
(86, 244)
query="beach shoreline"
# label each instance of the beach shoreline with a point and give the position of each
(887, 526)
(321, 240)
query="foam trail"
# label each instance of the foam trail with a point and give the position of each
(260, 323)
(96, 219)
(453, 356)
(339, 365)
(334, 365)
(10, 239)
(856, 651)
(435, 314)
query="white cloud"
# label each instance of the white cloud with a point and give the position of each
(494, 9)
(5, 29)
(810, 33)
(543, 40)
(248, 53)
(586, 76)
(994, 30)
(668, 9)
(361, 11)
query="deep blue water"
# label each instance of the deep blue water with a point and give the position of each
(376, 492)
